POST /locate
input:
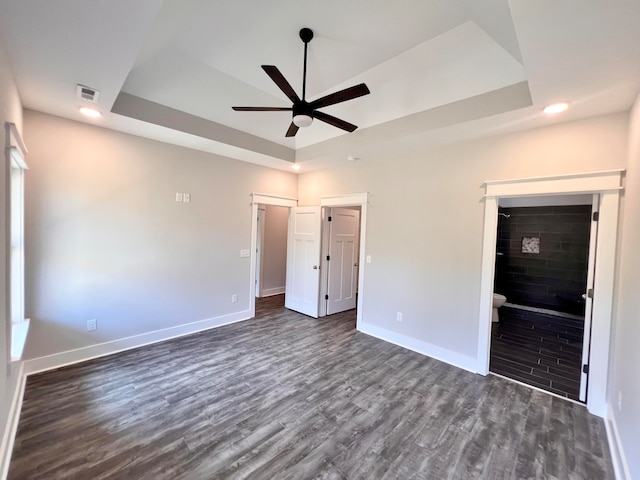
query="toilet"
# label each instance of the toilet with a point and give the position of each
(498, 301)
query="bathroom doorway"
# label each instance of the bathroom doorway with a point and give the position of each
(607, 187)
(543, 251)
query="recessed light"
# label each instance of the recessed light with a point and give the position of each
(556, 108)
(295, 166)
(90, 112)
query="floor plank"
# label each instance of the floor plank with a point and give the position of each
(538, 349)
(286, 396)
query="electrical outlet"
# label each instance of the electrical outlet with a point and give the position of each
(399, 316)
(234, 298)
(619, 400)
(92, 325)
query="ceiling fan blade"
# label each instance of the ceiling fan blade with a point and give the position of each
(261, 109)
(293, 129)
(341, 96)
(281, 82)
(336, 122)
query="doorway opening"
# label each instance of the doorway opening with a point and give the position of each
(304, 253)
(606, 185)
(340, 259)
(271, 250)
(543, 272)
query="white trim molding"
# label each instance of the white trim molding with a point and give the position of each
(83, 354)
(618, 457)
(270, 292)
(348, 199)
(13, 140)
(452, 358)
(607, 185)
(11, 427)
(574, 183)
(265, 199)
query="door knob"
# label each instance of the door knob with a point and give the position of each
(355, 264)
(315, 267)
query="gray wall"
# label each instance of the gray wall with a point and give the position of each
(106, 239)
(626, 354)
(425, 219)
(10, 111)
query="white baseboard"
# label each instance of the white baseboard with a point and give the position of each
(452, 358)
(70, 357)
(620, 465)
(270, 292)
(9, 434)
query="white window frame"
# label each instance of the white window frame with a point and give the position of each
(17, 324)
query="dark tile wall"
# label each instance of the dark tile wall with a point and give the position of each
(556, 277)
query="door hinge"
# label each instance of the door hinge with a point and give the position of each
(329, 219)
(590, 293)
(585, 369)
(328, 257)
(326, 297)
(595, 216)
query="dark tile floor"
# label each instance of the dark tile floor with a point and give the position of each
(540, 350)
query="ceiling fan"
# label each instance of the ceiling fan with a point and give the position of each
(304, 112)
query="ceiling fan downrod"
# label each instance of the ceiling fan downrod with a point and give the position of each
(306, 34)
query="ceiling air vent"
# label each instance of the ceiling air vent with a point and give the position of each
(87, 93)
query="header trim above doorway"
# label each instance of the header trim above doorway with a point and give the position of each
(267, 199)
(560, 184)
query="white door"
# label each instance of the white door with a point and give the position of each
(344, 234)
(586, 341)
(303, 260)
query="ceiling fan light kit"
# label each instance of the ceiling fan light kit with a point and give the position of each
(302, 120)
(304, 112)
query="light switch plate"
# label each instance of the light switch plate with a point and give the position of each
(178, 196)
(186, 197)
(244, 253)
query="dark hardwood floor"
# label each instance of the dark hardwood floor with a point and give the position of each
(284, 396)
(540, 350)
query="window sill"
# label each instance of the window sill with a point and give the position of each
(18, 339)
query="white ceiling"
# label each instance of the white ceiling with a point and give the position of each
(438, 70)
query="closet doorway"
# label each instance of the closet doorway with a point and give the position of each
(271, 250)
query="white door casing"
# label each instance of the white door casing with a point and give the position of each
(608, 185)
(588, 306)
(259, 249)
(303, 260)
(344, 236)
